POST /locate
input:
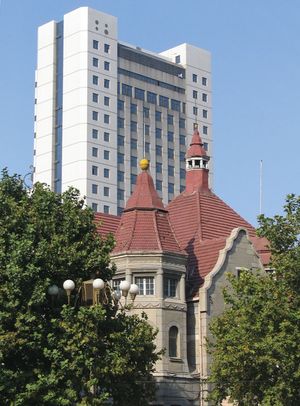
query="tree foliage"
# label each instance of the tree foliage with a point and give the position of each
(52, 353)
(256, 346)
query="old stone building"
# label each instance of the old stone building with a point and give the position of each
(179, 256)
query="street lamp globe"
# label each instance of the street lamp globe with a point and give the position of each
(124, 286)
(98, 284)
(69, 285)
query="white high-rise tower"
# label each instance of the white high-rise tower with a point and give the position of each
(101, 105)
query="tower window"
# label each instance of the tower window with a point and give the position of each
(170, 287)
(145, 284)
(173, 342)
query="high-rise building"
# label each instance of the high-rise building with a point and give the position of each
(101, 105)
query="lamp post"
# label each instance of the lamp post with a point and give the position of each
(100, 289)
(68, 286)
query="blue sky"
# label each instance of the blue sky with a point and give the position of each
(256, 83)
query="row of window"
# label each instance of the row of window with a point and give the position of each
(95, 99)
(204, 96)
(95, 153)
(152, 98)
(146, 285)
(204, 112)
(95, 190)
(106, 208)
(95, 63)
(133, 124)
(95, 117)
(95, 171)
(106, 47)
(95, 135)
(95, 81)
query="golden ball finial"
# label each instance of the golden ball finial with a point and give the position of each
(144, 164)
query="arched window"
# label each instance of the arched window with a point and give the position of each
(173, 342)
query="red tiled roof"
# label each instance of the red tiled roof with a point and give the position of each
(144, 194)
(145, 230)
(202, 222)
(145, 224)
(261, 245)
(106, 223)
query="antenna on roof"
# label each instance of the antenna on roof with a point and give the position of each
(260, 185)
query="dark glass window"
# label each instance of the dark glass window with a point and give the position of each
(106, 65)
(94, 133)
(106, 154)
(159, 185)
(158, 150)
(106, 191)
(133, 126)
(120, 104)
(95, 44)
(120, 176)
(94, 189)
(170, 153)
(158, 116)
(95, 115)
(170, 119)
(158, 133)
(106, 136)
(158, 167)
(173, 342)
(175, 105)
(195, 78)
(181, 123)
(182, 139)
(146, 112)
(170, 136)
(171, 170)
(94, 170)
(133, 161)
(106, 118)
(204, 97)
(133, 108)
(204, 81)
(106, 48)
(205, 129)
(126, 90)
(106, 173)
(120, 140)
(120, 194)
(120, 158)
(106, 101)
(106, 83)
(95, 80)
(151, 97)
(95, 62)
(133, 143)
(139, 93)
(120, 122)
(95, 97)
(164, 101)
(195, 94)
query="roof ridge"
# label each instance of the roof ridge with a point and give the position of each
(199, 228)
(133, 228)
(154, 213)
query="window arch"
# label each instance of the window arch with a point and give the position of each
(173, 342)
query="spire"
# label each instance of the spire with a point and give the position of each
(144, 195)
(196, 164)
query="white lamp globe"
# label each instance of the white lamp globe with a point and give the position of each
(117, 295)
(125, 286)
(69, 285)
(98, 284)
(53, 290)
(134, 289)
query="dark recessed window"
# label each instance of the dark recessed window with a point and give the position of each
(195, 78)
(106, 65)
(151, 97)
(106, 173)
(139, 94)
(177, 59)
(95, 44)
(195, 94)
(95, 62)
(106, 191)
(94, 133)
(133, 108)
(95, 80)
(106, 83)
(204, 81)
(106, 48)
(106, 154)
(95, 97)
(106, 101)
(106, 209)
(120, 122)
(94, 152)
(106, 136)
(164, 101)
(158, 116)
(126, 90)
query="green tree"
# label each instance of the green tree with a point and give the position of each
(52, 353)
(256, 345)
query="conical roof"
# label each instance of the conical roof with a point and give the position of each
(145, 224)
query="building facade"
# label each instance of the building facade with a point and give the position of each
(180, 255)
(101, 105)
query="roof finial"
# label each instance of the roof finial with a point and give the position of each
(144, 164)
